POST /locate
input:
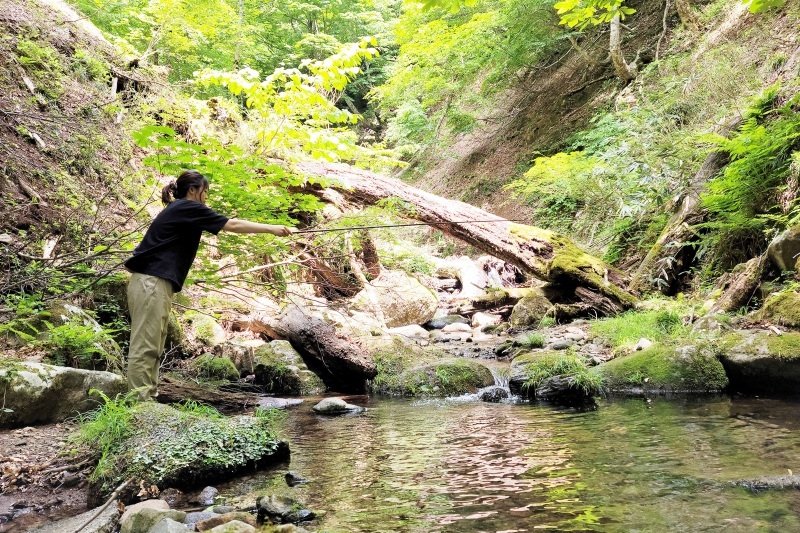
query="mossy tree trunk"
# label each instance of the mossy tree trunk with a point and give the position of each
(537, 252)
(673, 251)
(739, 286)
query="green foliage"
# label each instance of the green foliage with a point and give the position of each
(759, 6)
(444, 57)
(90, 67)
(102, 430)
(623, 331)
(42, 61)
(79, 346)
(743, 199)
(583, 13)
(569, 365)
(25, 321)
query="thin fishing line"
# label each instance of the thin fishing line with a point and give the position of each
(353, 228)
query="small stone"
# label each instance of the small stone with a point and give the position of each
(493, 394)
(195, 517)
(222, 509)
(562, 344)
(233, 527)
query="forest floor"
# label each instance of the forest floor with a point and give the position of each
(36, 485)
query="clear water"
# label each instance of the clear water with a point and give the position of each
(631, 465)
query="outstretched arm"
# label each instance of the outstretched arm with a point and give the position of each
(237, 225)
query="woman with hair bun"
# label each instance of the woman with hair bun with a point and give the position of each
(160, 265)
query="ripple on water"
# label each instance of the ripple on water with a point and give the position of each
(459, 465)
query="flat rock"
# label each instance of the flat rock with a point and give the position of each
(105, 523)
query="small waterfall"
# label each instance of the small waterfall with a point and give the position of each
(501, 376)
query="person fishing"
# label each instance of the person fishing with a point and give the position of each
(160, 264)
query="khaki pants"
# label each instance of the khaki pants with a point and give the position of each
(149, 300)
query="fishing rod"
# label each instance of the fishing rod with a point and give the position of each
(405, 225)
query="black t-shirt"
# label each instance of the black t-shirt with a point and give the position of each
(170, 244)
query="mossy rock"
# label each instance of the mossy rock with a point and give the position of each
(215, 368)
(665, 368)
(167, 447)
(757, 362)
(409, 373)
(206, 330)
(554, 375)
(782, 308)
(281, 370)
(530, 310)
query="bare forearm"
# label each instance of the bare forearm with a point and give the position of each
(237, 225)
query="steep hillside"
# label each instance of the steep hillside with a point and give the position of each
(64, 99)
(562, 96)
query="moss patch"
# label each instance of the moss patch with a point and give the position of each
(405, 372)
(668, 369)
(215, 368)
(783, 308)
(759, 362)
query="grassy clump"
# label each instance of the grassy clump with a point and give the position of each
(668, 368)
(530, 341)
(623, 331)
(582, 379)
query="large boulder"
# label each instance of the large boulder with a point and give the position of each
(784, 249)
(760, 362)
(471, 276)
(666, 368)
(530, 310)
(407, 370)
(280, 369)
(167, 447)
(401, 298)
(37, 393)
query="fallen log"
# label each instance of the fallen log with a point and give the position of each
(738, 286)
(172, 391)
(342, 364)
(537, 252)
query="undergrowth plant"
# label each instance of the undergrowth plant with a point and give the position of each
(569, 365)
(623, 331)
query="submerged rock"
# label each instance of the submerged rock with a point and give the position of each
(282, 510)
(293, 479)
(105, 522)
(208, 496)
(37, 393)
(493, 394)
(790, 481)
(337, 406)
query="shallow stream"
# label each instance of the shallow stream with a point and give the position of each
(463, 465)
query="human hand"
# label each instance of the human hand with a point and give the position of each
(284, 231)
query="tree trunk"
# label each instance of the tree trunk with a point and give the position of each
(537, 252)
(624, 70)
(342, 364)
(739, 286)
(672, 253)
(688, 18)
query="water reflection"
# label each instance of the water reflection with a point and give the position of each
(631, 465)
